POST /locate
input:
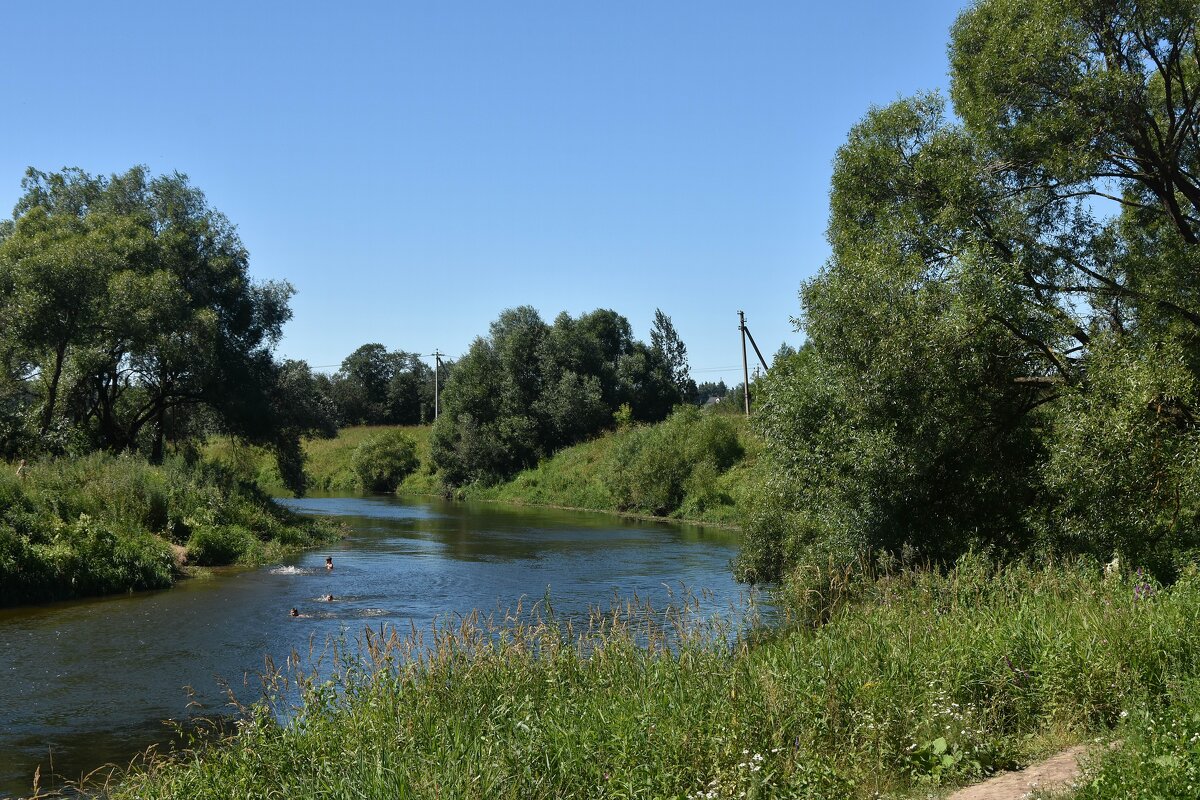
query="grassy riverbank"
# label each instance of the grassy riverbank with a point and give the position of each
(696, 466)
(913, 683)
(100, 524)
(329, 463)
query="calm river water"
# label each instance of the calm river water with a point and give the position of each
(91, 682)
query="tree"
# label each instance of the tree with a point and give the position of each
(361, 385)
(130, 301)
(984, 339)
(671, 349)
(529, 389)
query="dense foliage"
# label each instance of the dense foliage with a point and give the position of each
(673, 467)
(694, 465)
(1003, 348)
(376, 387)
(384, 460)
(128, 321)
(528, 389)
(100, 523)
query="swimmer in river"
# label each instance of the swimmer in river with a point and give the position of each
(328, 598)
(328, 562)
(295, 612)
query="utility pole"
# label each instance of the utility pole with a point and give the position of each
(437, 362)
(745, 372)
(745, 368)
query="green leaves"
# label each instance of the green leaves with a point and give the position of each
(991, 362)
(530, 389)
(130, 316)
(383, 461)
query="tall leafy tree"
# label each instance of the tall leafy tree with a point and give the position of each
(130, 301)
(361, 385)
(671, 349)
(530, 388)
(1011, 302)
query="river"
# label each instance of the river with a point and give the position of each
(91, 682)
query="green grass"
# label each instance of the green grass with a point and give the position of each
(98, 524)
(642, 470)
(329, 462)
(916, 682)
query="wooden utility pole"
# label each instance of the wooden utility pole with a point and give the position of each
(745, 371)
(745, 368)
(437, 362)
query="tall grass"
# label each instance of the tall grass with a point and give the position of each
(913, 681)
(97, 524)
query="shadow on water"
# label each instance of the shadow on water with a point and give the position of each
(90, 682)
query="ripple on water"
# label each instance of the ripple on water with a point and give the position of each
(292, 571)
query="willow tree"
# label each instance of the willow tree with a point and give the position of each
(1003, 347)
(129, 306)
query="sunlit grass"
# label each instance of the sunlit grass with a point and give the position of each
(915, 682)
(329, 462)
(581, 477)
(97, 524)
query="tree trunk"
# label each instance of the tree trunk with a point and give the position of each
(60, 355)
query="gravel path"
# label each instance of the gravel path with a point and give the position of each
(1055, 772)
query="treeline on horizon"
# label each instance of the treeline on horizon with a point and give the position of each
(129, 324)
(377, 386)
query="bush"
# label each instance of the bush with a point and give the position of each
(656, 469)
(215, 545)
(383, 461)
(102, 523)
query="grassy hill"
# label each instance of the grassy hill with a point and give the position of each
(663, 470)
(329, 461)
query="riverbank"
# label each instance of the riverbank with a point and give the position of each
(696, 466)
(914, 683)
(101, 524)
(328, 463)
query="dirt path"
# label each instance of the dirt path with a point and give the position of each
(1053, 773)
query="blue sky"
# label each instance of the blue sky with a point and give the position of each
(413, 168)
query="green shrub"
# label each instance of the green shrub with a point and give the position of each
(28, 577)
(221, 544)
(101, 523)
(655, 469)
(384, 460)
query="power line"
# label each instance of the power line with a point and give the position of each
(714, 369)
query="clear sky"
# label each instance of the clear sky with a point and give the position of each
(413, 168)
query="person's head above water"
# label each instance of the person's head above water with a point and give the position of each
(329, 598)
(295, 612)
(328, 562)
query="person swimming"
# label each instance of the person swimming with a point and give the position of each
(328, 598)
(328, 562)
(295, 612)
